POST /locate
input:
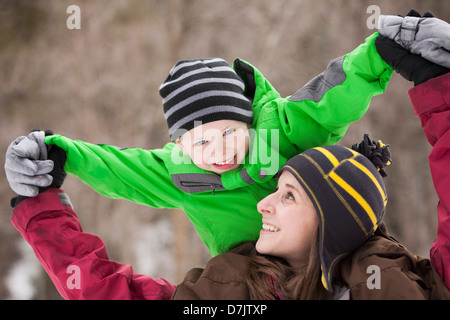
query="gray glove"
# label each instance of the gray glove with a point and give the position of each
(26, 164)
(425, 36)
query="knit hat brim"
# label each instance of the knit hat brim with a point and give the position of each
(201, 91)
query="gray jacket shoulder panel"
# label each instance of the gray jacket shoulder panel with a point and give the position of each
(315, 89)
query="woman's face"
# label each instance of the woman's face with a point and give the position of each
(289, 221)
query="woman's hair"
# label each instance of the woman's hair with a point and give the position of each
(302, 283)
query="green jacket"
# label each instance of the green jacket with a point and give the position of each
(223, 208)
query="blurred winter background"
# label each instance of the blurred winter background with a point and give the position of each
(100, 84)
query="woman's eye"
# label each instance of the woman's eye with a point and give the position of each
(290, 196)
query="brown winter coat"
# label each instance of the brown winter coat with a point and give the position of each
(224, 277)
(401, 275)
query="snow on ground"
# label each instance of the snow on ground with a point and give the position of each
(152, 250)
(20, 277)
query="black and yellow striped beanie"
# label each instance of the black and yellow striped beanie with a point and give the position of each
(345, 185)
(201, 91)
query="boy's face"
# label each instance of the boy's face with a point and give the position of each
(216, 146)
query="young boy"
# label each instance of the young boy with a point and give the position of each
(230, 132)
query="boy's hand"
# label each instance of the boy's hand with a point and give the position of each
(411, 66)
(58, 156)
(26, 164)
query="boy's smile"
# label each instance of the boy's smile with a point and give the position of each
(226, 165)
(216, 146)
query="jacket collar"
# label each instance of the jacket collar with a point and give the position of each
(189, 178)
(197, 182)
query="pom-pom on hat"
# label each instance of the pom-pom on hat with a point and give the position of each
(201, 91)
(348, 193)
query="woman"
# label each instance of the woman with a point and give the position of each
(321, 238)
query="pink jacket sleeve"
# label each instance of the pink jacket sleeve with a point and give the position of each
(77, 262)
(431, 102)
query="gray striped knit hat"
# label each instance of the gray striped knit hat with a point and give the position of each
(201, 91)
(347, 190)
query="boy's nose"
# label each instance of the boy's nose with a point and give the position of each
(218, 148)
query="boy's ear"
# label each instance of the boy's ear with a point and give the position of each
(181, 146)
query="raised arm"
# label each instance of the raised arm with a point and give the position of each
(133, 174)
(430, 99)
(318, 114)
(77, 262)
(321, 111)
(431, 102)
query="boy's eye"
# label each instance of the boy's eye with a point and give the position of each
(229, 131)
(200, 143)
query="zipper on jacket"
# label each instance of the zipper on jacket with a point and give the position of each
(201, 184)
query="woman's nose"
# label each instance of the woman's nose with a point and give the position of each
(266, 206)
